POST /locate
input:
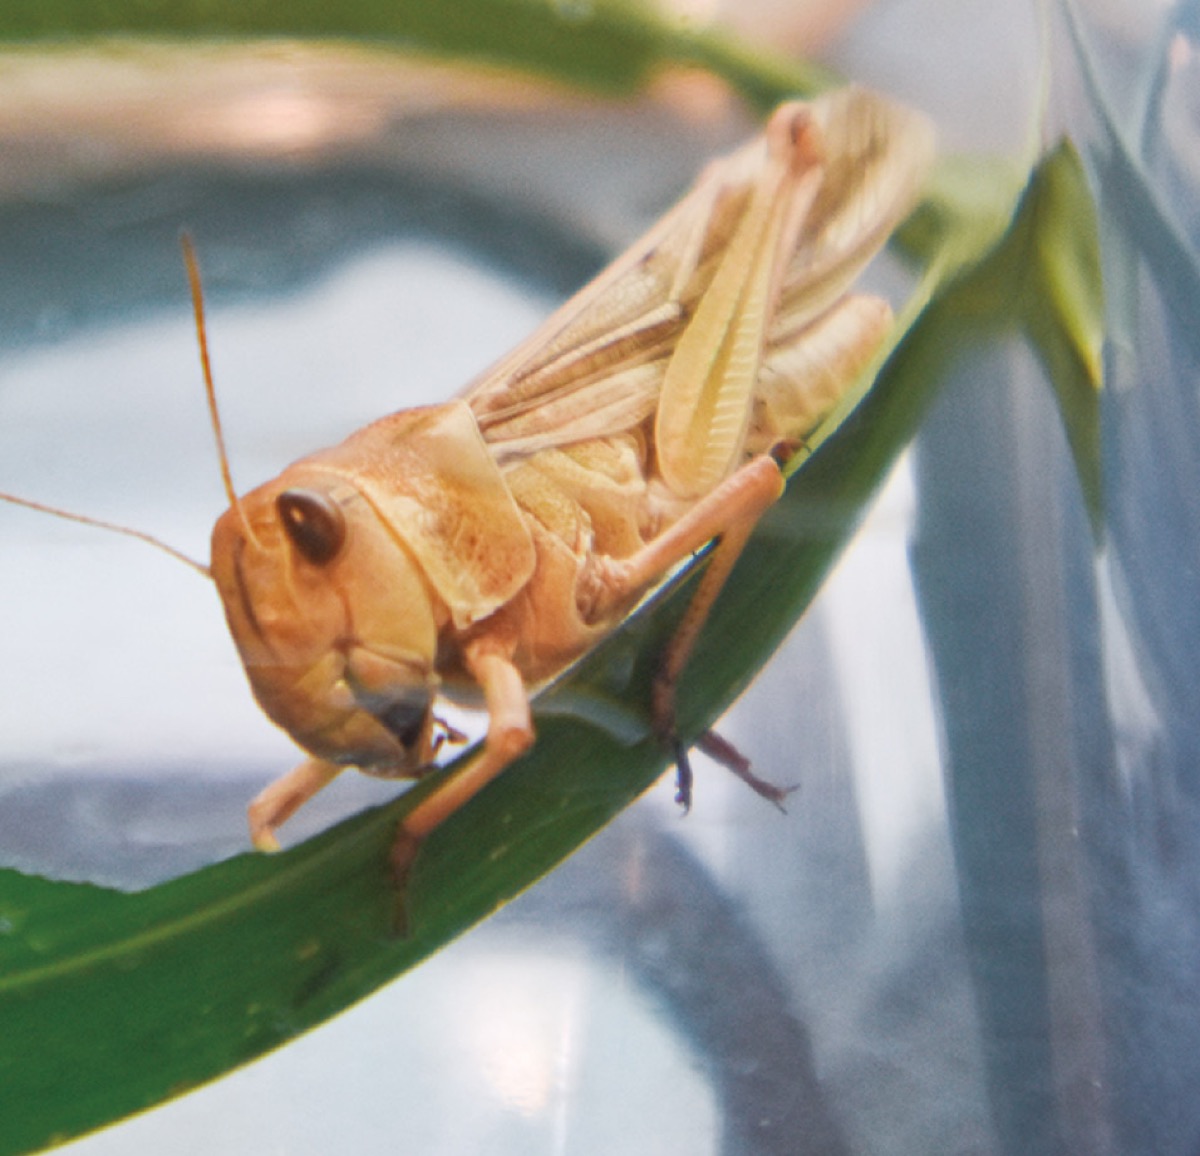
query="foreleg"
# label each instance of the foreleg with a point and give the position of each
(509, 735)
(284, 797)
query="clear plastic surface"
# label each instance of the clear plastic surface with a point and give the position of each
(977, 930)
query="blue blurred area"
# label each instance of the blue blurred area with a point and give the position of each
(978, 928)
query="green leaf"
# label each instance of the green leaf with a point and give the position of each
(112, 1002)
(1045, 283)
(1062, 309)
(607, 45)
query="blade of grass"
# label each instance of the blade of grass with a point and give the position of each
(606, 45)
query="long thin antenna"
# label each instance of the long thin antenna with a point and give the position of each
(115, 527)
(193, 272)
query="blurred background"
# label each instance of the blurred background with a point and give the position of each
(976, 929)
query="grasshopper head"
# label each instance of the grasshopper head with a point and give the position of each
(334, 620)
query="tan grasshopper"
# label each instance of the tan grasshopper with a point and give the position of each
(484, 545)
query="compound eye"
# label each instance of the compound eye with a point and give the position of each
(314, 522)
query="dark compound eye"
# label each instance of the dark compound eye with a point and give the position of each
(314, 522)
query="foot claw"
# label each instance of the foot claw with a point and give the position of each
(724, 752)
(785, 449)
(683, 776)
(265, 841)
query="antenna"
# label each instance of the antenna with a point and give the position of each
(193, 272)
(114, 527)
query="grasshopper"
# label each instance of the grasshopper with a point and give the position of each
(482, 546)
